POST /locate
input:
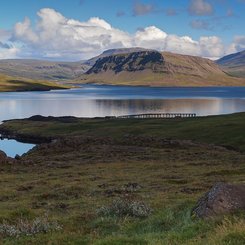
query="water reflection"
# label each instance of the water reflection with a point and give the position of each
(12, 147)
(200, 106)
(92, 108)
(100, 101)
(93, 101)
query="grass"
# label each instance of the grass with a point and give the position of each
(14, 84)
(73, 178)
(221, 130)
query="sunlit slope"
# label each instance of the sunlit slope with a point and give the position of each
(9, 84)
(158, 69)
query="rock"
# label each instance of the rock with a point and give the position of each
(223, 198)
(3, 157)
(17, 157)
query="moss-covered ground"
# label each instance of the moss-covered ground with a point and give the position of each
(167, 164)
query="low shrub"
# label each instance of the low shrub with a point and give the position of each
(125, 207)
(28, 228)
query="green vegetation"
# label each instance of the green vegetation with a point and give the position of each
(123, 181)
(13, 84)
(225, 130)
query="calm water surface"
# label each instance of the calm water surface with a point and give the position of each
(12, 147)
(92, 101)
(102, 100)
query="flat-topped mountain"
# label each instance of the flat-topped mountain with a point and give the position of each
(110, 52)
(135, 66)
(234, 64)
(130, 62)
(150, 67)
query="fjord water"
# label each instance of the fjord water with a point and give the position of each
(102, 100)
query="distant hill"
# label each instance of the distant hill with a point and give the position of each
(135, 66)
(13, 84)
(45, 70)
(234, 64)
(51, 70)
(149, 67)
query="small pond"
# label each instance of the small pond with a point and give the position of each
(13, 147)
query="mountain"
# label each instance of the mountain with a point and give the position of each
(149, 67)
(134, 66)
(9, 84)
(45, 70)
(50, 70)
(234, 64)
(110, 52)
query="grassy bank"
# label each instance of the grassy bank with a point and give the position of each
(14, 84)
(83, 181)
(225, 130)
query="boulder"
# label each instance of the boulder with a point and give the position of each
(3, 157)
(223, 198)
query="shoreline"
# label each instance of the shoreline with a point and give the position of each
(29, 130)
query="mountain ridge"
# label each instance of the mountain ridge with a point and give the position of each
(168, 69)
(234, 64)
(132, 66)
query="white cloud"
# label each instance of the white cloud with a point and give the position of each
(7, 49)
(200, 7)
(150, 37)
(55, 36)
(239, 42)
(212, 47)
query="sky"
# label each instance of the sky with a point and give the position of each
(72, 30)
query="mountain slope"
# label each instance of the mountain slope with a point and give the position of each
(234, 64)
(44, 70)
(13, 84)
(149, 67)
(51, 70)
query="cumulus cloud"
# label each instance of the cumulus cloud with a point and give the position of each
(7, 50)
(238, 43)
(57, 37)
(200, 8)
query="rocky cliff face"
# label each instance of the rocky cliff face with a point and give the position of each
(129, 62)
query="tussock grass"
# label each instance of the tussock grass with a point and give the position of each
(72, 178)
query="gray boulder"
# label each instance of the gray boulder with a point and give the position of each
(223, 198)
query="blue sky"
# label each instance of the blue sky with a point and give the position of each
(198, 21)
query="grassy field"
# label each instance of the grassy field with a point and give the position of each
(14, 84)
(85, 180)
(221, 130)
